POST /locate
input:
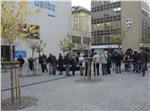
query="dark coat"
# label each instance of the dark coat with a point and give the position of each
(143, 57)
(49, 59)
(60, 63)
(118, 58)
(21, 61)
(54, 60)
(67, 59)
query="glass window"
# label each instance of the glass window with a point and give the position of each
(32, 31)
(86, 40)
(76, 39)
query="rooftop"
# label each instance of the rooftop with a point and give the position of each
(80, 8)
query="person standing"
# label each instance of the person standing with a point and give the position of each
(73, 64)
(81, 63)
(109, 61)
(60, 64)
(21, 62)
(67, 64)
(31, 64)
(44, 63)
(135, 61)
(96, 61)
(144, 60)
(49, 60)
(103, 60)
(54, 63)
(118, 58)
(113, 61)
(40, 61)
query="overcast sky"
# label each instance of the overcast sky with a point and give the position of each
(84, 3)
(87, 3)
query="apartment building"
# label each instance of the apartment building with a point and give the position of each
(81, 27)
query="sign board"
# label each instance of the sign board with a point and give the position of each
(18, 53)
(129, 22)
(46, 5)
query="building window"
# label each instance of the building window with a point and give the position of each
(32, 31)
(76, 39)
(86, 40)
(107, 6)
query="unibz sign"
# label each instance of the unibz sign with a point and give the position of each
(46, 5)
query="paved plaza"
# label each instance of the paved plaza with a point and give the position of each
(115, 92)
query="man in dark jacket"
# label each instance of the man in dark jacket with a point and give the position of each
(73, 64)
(67, 64)
(31, 63)
(118, 58)
(135, 57)
(60, 64)
(21, 62)
(44, 63)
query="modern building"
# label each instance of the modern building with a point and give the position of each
(81, 27)
(53, 22)
(120, 24)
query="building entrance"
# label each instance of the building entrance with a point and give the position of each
(5, 52)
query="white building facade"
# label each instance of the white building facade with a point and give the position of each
(54, 21)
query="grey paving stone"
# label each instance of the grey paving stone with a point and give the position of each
(115, 92)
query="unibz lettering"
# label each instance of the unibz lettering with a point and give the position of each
(46, 5)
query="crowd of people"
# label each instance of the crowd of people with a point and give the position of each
(71, 62)
(133, 61)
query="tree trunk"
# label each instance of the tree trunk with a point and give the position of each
(11, 53)
(33, 60)
(11, 74)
